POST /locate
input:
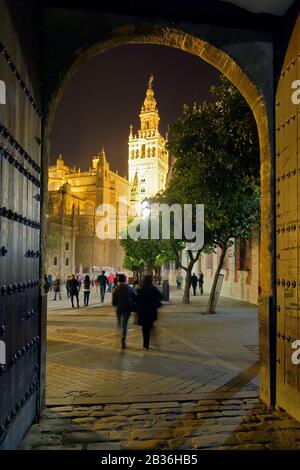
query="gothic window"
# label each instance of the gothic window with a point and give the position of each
(67, 246)
(55, 261)
(149, 152)
(153, 152)
(143, 150)
(67, 261)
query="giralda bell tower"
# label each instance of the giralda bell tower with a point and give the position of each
(148, 157)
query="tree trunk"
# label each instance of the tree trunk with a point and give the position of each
(214, 286)
(187, 287)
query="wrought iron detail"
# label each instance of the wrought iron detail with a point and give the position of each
(10, 138)
(17, 287)
(3, 251)
(13, 161)
(9, 214)
(18, 76)
(13, 413)
(32, 254)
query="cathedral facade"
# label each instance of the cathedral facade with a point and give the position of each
(74, 198)
(72, 242)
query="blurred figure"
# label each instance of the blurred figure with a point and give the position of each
(110, 279)
(86, 290)
(102, 280)
(201, 282)
(56, 287)
(194, 282)
(68, 286)
(74, 290)
(136, 285)
(123, 299)
(116, 279)
(148, 301)
(50, 281)
(178, 281)
(79, 280)
(97, 285)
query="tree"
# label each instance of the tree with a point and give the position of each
(216, 155)
(145, 254)
(174, 194)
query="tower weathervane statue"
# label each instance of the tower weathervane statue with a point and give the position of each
(150, 81)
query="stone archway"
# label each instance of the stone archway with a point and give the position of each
(226, 65)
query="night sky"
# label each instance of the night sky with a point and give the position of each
(105, 96)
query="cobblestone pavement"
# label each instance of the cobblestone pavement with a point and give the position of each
(218, 422)
(196, 388)
(191, 353)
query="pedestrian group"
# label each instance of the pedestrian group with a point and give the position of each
(141, 300)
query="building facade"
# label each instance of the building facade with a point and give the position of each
(240, 270)
(73, 242)
(148, 158)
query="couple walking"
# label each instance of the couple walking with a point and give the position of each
(145, 301)
(73, 288)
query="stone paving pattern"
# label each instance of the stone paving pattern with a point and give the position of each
(191, 353)
(196, 388)
(228, 423)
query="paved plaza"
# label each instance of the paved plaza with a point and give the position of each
(196, 388)
(190, 353)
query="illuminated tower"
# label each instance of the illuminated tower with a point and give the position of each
(148, 156)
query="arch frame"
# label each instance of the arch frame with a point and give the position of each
(259, 104)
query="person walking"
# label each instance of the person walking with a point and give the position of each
(123, 299)
(86, 290)
(102, 280)
(74, 290)
(96, 285)
(50, 282)
(194, 282)
(110, 280)
(68, 286)
(178, 281)
(79, 280)
(56, 287)
(201, 282)
(148, 301)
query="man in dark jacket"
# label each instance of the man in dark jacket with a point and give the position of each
(148, 301)
(201, 282)
(102, 280)
(194, 282)
(56, 286)
(123, 299)
(74, 290)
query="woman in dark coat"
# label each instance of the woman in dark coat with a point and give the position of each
(148, 301)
